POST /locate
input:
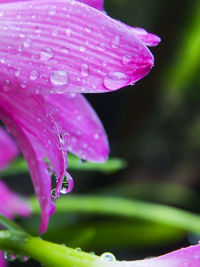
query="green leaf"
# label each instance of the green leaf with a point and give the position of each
(125, 208)
(110, 166)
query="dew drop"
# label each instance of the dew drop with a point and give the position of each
(46, 54)
(116, 80)
(82, 48)
(9, 256)
(78, 249)
(33, 75)
(53, 193)
(55, 32)
(52, 11)
(115, 41)
(101, 47)
(68, 31)
(23, 258)
(84, 70)
(127, 59)
(65, 50)
(27, 43)
(1, 13)
(59, 77)
(67, 184)
(107, 256)
(96, 136)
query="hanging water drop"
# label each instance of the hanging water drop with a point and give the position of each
(116, 80)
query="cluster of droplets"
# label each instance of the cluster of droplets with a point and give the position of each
(10, 256)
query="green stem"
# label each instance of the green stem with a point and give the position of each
(127, 208)
(48, 253)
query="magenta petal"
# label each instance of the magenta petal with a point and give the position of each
(11, 204)
(98, 4)
(8, 149)
(33, 125)
(2, 261)
(147, 38)
(58, 46)
(189, 256)
(78, 120)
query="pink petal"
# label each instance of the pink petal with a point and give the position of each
(77, 119)
(189, 256)
(58, 46)
(12, 204)
(8, 149)
(33, 125)
(2, 261)
(147, 38)
(185, 257)
(98, 4)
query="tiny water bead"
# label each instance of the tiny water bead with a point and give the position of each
(107, 256)
(46, 54)
(127, 59)
(116, 80)
(59, 77)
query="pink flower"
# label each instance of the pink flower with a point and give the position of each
(185, 257)
(50, 52)
(8, 149)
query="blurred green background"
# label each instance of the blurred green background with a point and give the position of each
(153, 125)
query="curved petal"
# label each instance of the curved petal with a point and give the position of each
(58, 46)
(11, 204)
(98, 4)
(77, 118)
(8, 149)
(147, 38)
(33, 125)
(188, 257)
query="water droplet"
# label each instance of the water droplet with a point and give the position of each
(82, 48)
(67, 184)
(46, 54)
(55, 32)
(27, 43)
(23, 258)
(24, 84)
(1, 13)
(53, 193)
(65, 50)
(116, 80)
(127, 59)
(88, 30)
(22, 35)
(59, 77)
(52, 11)
(33, 75)
(96, 136)
(84, 70)
(107, 256)
(68, 31)
(115, 41)
(78, 249)
(9, 256)
(101, 47)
